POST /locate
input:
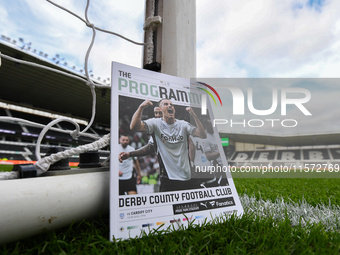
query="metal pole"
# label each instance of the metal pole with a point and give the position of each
(175, 39)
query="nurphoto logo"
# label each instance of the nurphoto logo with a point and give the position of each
(243, 103)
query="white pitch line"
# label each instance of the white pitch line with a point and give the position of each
(302, 212)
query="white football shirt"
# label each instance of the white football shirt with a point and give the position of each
(201, 147)
(126, 167)
(172, 146)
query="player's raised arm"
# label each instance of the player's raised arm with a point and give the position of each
(136, 121)
(199, 131)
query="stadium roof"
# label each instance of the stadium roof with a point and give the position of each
(38, 88)
(42, 89)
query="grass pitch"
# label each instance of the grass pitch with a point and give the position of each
(314, 191)
(6, 168)
(249, 234)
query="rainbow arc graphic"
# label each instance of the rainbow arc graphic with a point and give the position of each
(209, 93)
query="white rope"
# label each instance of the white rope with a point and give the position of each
(76, 133)
(34, 124)
(47, 127)
(94, 98)
(44, 163)
(15, 175)
(89, 81)
(9, 175)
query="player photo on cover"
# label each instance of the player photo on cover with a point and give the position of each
(164, 155)
(175, 152)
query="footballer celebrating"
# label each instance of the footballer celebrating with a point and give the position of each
(171, 137)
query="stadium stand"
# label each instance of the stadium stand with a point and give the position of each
(24, 87)
(72, 98)
(294, 156)
(18, 141)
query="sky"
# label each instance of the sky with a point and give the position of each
(261, 38)
(258, 38)
(235, 39)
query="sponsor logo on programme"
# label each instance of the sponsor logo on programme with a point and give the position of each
(203, 205)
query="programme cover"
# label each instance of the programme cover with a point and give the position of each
(183, 175)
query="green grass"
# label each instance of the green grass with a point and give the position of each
(314, 191)
(247, 235)
(6, 168)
